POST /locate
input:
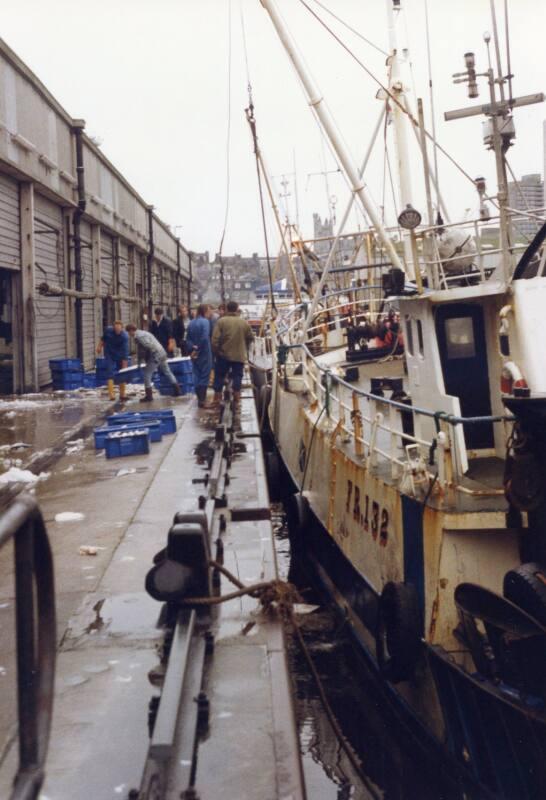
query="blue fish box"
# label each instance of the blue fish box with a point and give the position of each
(89, 380)
(152, 426)
(123, 442)
(165, 417)
(67, 385)
(181, 366)
(64, 364)
(129, 375)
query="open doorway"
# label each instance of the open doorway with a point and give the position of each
(6, 332)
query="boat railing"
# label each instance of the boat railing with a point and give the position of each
(337, 310)
(36, 636)
(386, 431)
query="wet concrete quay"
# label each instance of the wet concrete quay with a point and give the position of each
(108, 632)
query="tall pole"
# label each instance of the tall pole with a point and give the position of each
(396, 87)
(316, 101)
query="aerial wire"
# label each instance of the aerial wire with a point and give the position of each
(228, 158)
(349, 27)
(386, 90)
(432, 111)
(251, 119)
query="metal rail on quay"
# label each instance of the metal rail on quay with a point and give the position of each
(221, 718)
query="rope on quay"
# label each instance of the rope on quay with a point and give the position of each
(278, 597)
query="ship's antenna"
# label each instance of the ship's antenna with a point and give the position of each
(500, 79)
(508, 59)
(432, 110)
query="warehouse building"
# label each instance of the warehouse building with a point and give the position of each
(78, 246)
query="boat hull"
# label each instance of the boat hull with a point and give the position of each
(482, 733)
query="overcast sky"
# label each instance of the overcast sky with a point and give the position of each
(151, 81)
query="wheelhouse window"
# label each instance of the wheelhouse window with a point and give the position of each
(460, 337)
(420, 343)
(409, 337)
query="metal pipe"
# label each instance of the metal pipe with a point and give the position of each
(150, 262)
(316, 101)
(177, 292)
(78, 126)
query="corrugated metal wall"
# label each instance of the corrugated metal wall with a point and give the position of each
(10, 233)
(88, 313)
(50, 311)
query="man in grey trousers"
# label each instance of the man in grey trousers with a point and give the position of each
(156, 359)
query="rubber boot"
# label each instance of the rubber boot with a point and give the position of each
(111, 390)
(217, 399)
(237, 398)
(201, 392)
(148, 395)
(122, 397)
(177, 391)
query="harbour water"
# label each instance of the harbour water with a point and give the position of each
(391, 768)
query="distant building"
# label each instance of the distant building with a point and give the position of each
(526, 195)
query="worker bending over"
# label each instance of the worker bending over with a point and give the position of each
(156, 359)
(115, 343)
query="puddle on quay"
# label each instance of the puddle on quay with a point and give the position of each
(392, 769)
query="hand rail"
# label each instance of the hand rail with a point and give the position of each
(366, 423)
(36, 633)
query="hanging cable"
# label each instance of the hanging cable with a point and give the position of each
(251, 119)
(353, 30)
(228, 168)
(432, 111)
(387, 91)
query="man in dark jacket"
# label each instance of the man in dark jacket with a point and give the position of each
(115, 343)
(180, 327)
(231, 338)
(162, 328)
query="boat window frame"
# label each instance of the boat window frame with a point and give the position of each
(409, 335)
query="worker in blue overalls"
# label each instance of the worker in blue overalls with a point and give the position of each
(115, 343)
(198, 344)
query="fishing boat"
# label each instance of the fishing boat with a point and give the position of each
(407, 411)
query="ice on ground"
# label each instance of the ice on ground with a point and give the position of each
(15, 446)
(18, 475)
(68, 469)
(125, 471)
(69, 516)
(75, 446)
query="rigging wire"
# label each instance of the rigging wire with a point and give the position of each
(349, 27)
(251, 119)
(387, 91)
(228, 154)
(432, 111)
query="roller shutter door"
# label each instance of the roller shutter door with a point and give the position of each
(50, 311)
(88, 310)
(10, 232)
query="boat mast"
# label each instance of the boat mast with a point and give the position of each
(498, 130)
(399, 118)
(316, 101)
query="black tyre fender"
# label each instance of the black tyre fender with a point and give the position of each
(262, 406)
(526, 588)
(297, 514)
(273, 469)
(398, 632)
